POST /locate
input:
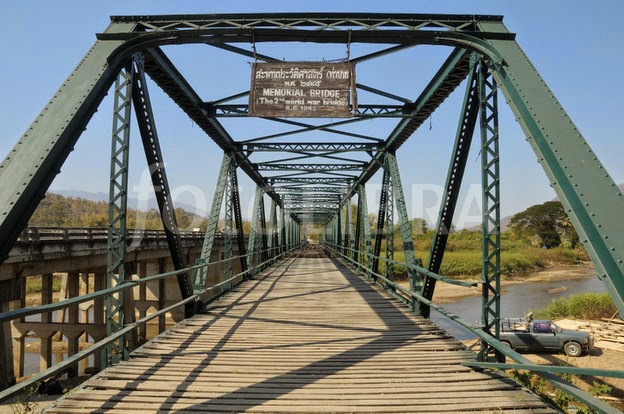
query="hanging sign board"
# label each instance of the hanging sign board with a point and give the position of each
(302, 90)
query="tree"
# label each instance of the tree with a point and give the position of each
(548, 221)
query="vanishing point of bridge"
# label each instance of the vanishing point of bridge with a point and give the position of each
(278, 331)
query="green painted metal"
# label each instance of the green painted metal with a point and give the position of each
(199, 275)
(490, 227)
(117, 208)
(367, 252)
(273, 230)
(381, 219)
(588, 193)
(228, 230)
(405, 226)
(282, 233)
(28, 170)
(453, 71)
(549, 368)
(389, 225)
(160, 183)
(238, 219)
(255, 244)
(454, 176)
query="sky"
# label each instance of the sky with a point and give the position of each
(575, 45)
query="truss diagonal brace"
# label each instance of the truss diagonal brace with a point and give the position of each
(457, 166)
(153, 154)
(405, 226)
(199, 275)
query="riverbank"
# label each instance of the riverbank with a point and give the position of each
(447, 293)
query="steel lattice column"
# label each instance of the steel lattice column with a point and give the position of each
(282, 234)
(274, 232)
(238, 219)
(366, 259)
(389, 221)
(490, 176)
(118, 195)
(228, 231)
(381, 218)
(348, 237)
(255, 235)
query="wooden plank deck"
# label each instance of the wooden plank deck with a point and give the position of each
(306, 336)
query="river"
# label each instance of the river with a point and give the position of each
(516, 301)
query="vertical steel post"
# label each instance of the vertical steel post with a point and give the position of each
(455, 174)
(117, 208)
(282, 234)
(357, 254)
(381, 219)
(273, 232)
(347, 232)
(255, 231)
(338, 240)
(389, 221)
(238, 219)
(228, 232)
(490, 176)
(368, 249)
(264, 254)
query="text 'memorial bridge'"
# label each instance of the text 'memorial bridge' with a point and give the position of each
(289, 331)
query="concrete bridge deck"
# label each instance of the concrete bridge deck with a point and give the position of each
(308, 335)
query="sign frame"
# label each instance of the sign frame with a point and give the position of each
(302, 90)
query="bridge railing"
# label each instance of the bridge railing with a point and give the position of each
(69, 234)
(412, 298)
(130, 327)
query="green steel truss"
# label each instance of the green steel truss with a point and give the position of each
(155, 161)
(490, 227)
(455, 174)
(301, 174)
(117, 207)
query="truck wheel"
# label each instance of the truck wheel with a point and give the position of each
(573, 349)
(506, 343)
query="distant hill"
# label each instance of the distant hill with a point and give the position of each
(132, 202)
(67, 211)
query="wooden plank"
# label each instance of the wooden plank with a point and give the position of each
(304, 337)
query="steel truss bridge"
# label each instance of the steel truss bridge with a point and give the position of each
(308, 178)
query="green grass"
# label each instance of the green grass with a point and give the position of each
(33, 284)
(462, 257)
(592, 306)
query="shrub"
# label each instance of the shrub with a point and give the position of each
(579, 306)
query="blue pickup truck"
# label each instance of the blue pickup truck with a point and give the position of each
(534, 335)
